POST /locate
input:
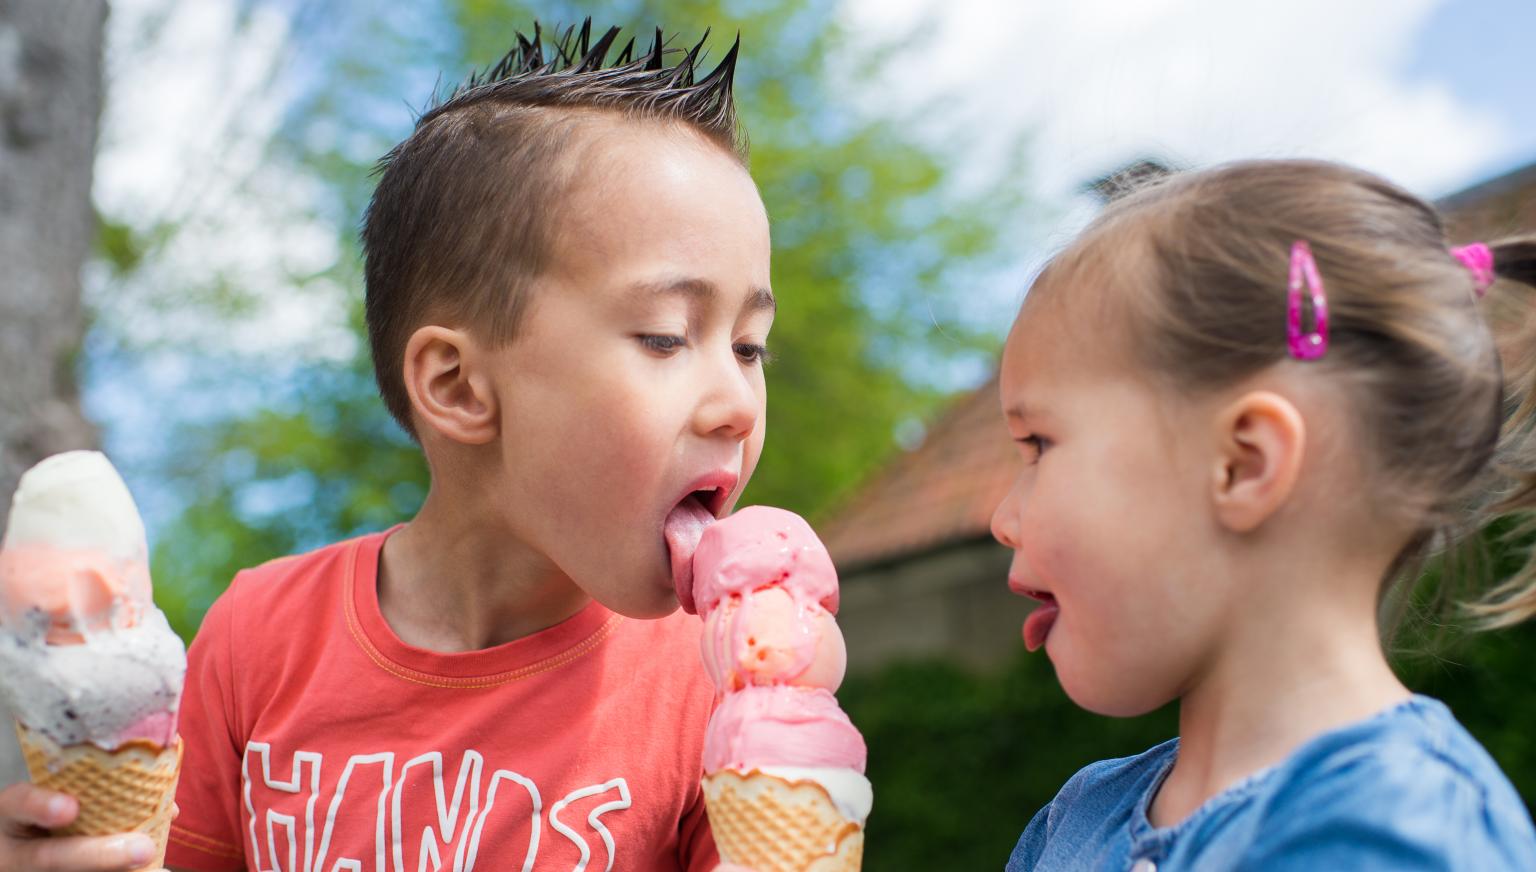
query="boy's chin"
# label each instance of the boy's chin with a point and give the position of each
(632, 604)
(646, 613)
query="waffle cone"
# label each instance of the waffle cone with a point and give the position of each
(131, 789)
(773, 825)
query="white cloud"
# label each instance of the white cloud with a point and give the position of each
(1102, 82)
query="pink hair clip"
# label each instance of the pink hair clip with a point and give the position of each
(1478, 259)
(1312, 345)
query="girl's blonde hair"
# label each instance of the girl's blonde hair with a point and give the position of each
(1443, 439)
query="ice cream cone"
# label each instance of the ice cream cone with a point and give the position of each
(773, 825)
(131, 789)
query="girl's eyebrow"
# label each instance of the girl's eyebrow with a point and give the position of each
(702, 290)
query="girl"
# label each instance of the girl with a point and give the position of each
(1250, 401)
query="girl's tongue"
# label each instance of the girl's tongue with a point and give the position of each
(682, 530)
(1038, 625)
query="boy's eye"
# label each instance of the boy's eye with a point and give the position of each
(662, 344)
(1034, 447)
(753, 353)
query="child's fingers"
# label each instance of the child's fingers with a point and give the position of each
(80, 853)
(25, 810)
(28, 806)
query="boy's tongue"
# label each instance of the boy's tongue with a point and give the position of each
(683, 529)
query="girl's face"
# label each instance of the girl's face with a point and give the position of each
(1109, 517)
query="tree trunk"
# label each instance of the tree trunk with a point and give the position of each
(50, 106)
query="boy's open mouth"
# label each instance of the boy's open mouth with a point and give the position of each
(683, 528)
(1038, 625)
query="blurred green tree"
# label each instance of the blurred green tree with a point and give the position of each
(872, 235)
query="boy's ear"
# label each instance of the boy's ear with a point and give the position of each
(449, 393)
(1261, 439)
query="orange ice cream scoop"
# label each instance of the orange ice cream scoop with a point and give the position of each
(75, 591)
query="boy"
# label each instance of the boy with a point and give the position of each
(567, 300)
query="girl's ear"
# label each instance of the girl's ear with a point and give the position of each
(450, 394)
(1261, 439)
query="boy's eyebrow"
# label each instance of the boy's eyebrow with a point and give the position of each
(703, 289)
(762, 298)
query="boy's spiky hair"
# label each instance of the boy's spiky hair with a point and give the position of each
(461, 220)
(576, 73)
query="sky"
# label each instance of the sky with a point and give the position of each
(1480, 50)
(1434, 94)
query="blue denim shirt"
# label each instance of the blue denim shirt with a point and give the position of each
(1407, 789)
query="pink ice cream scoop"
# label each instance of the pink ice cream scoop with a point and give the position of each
(760, 547)
(758, 727)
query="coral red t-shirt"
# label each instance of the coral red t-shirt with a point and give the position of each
(317, 741)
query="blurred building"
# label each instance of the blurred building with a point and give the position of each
(921, 574)
(1497, 207)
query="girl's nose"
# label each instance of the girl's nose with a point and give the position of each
(1005, 519)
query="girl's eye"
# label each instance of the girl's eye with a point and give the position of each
(1034, 447)
(663, 344)
(753, 353)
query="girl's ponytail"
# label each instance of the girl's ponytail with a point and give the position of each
(1513, 314)
(1515, 259)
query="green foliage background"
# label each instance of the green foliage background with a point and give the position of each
(876, 250)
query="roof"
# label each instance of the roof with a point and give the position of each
(944, 492)
(1521, 178)
(940, 493)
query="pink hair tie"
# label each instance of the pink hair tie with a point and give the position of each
(1313, 344)
(1478, 259)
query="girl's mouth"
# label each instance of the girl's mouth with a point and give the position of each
(1038, 625)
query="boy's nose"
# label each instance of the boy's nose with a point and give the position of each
(730, 406)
